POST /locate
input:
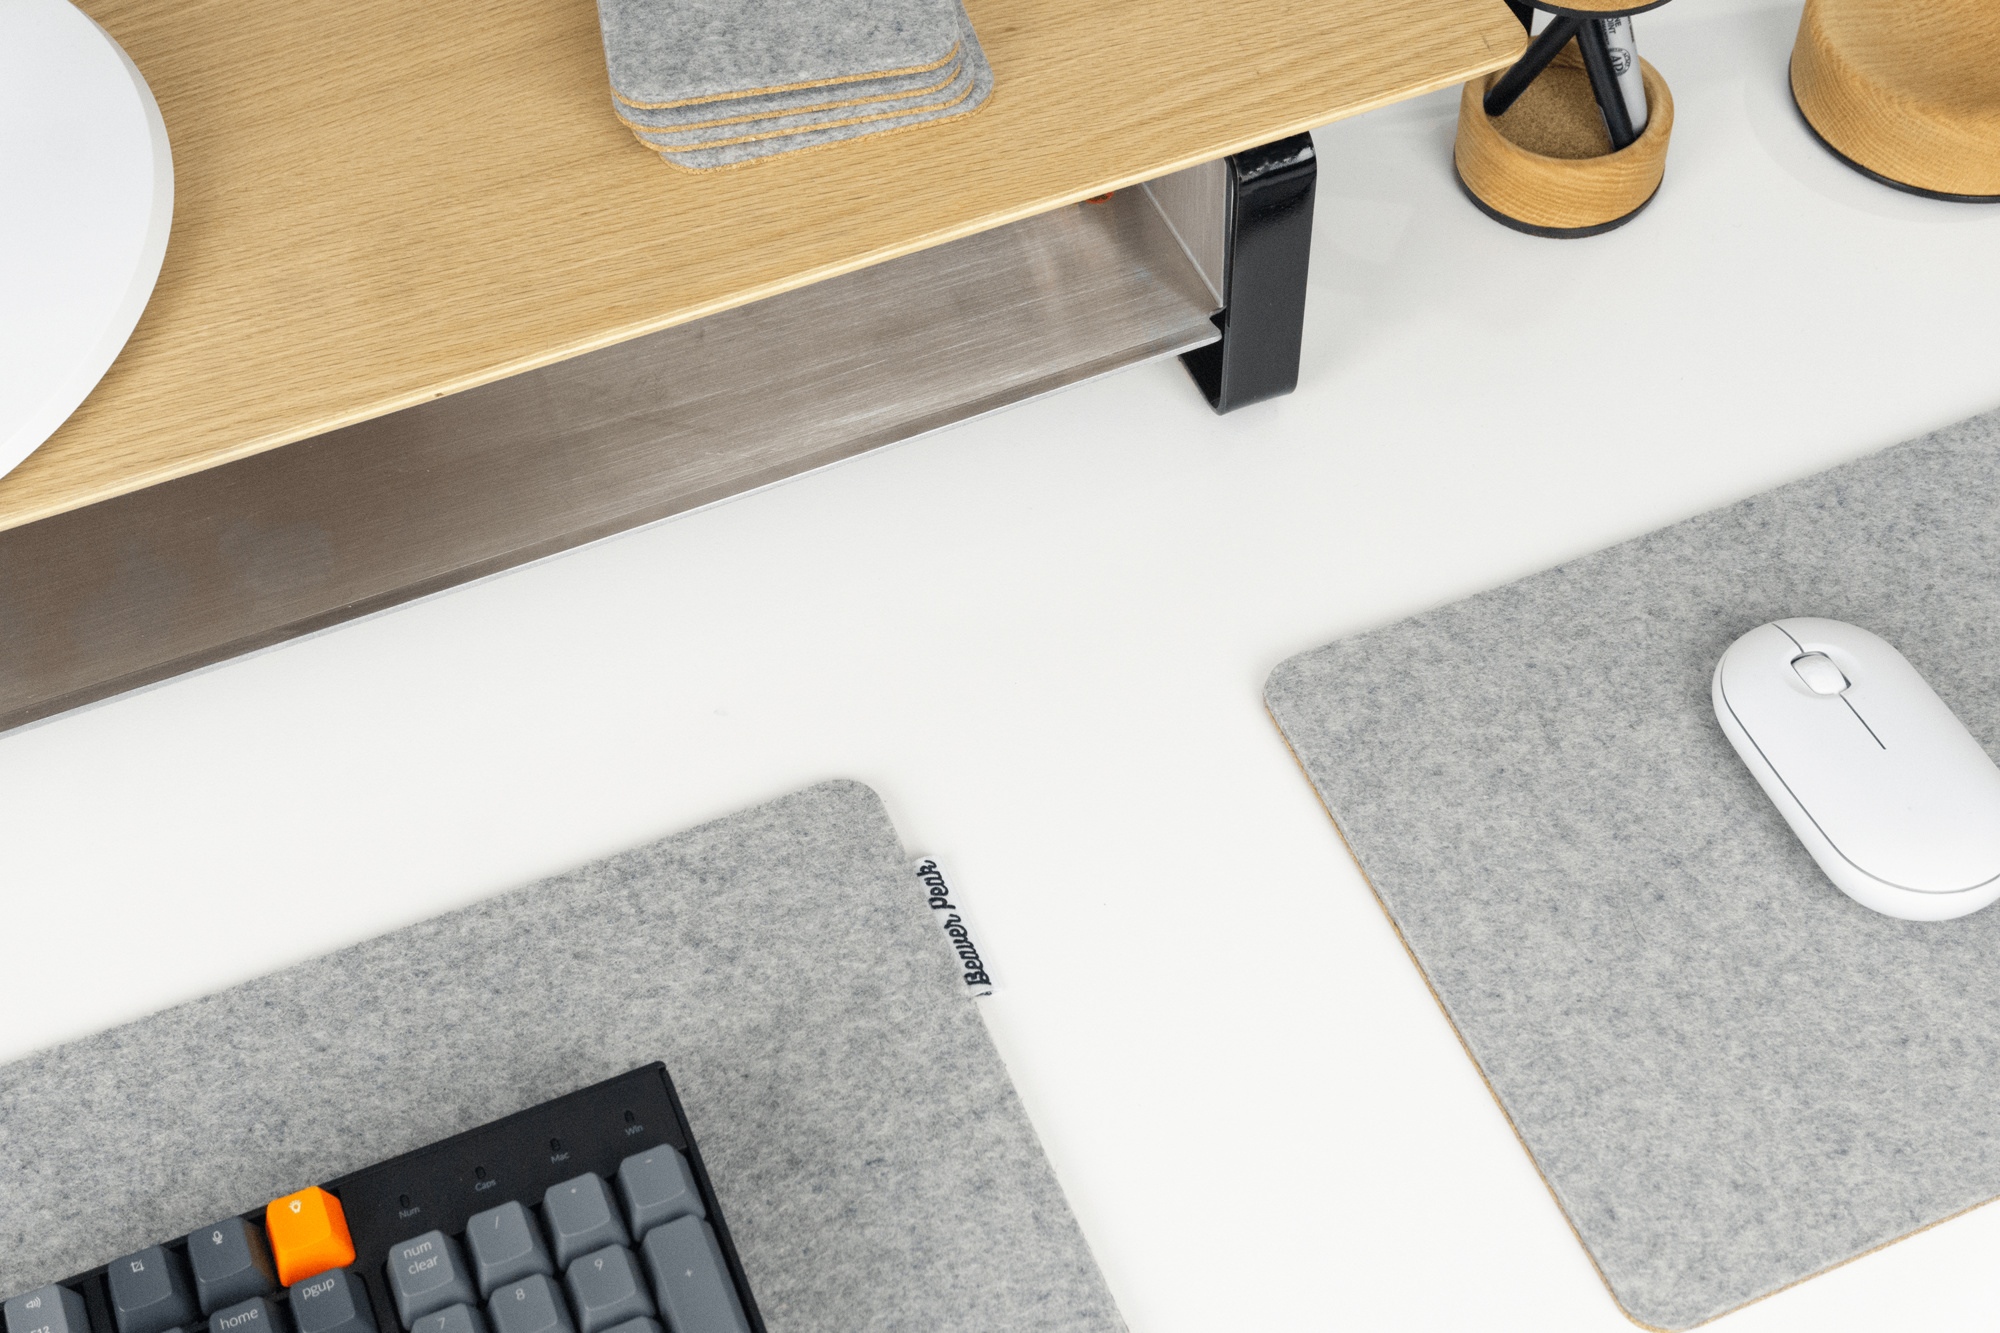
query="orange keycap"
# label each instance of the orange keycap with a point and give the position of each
(308, 1234)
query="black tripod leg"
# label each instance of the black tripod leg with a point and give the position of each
(1541, 51)
(1604, 83)
(1524, 12)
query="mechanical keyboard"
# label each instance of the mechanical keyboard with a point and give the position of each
(587, 1214)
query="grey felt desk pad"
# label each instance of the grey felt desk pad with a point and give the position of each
(869, 1152)
(1730, 1075)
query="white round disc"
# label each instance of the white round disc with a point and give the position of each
(86, 201)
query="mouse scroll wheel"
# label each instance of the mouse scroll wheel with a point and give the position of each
(1819, 673)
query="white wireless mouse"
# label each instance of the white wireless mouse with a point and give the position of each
(1880, 780)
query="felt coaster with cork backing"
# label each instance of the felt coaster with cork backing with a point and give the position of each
(772, 127)
(740, 153)
(662, 54)
(868, 94)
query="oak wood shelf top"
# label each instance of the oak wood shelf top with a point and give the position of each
(379, 203)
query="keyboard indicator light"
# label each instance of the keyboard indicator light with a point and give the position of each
(308, 1234)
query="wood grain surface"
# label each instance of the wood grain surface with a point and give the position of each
(381, 202)
(1564, 192)
(1910, 89)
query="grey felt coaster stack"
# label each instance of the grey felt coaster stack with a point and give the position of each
(716, 83)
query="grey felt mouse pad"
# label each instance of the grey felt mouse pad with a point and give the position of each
(664, 52)
(869, 1152)
(1730, 1075)
(733, 154)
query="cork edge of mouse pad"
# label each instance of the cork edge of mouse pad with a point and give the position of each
(1984, 431)
(875, 1106)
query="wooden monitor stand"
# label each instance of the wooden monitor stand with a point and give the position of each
(408, 333)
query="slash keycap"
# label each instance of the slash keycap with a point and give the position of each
(150, 1292)
(690, 1279)
(531, 1305)
(256, 1315)
(452, 1319)
(606, 1290)
(582, 1218)
(428, 1274)
(47, 1310)
(230, 1264)
(658, 1187)
(506, 1247)
(333, 1302)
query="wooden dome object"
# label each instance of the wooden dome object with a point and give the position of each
(1907, 91)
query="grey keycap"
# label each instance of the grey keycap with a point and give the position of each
(333, 1302)
(690, 1280)
(658, 1186)
(452, 1319)
(256, 1315)
(636, 1326)
(506, 1246)
(150, 1292)
(606, 1290)
(427, 1273)
(47, 1310)
(231, 1264)
(582, 1218)
(532, 1305)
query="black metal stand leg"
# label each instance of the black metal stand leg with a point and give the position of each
(1269, 241)
(1509, 86)
(1604, 84)
(1524, 12)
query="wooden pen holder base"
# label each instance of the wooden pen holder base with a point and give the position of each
(1546, 166)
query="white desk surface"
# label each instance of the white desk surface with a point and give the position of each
(1041, 636)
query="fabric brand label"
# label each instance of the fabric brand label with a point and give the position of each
(950, 916)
